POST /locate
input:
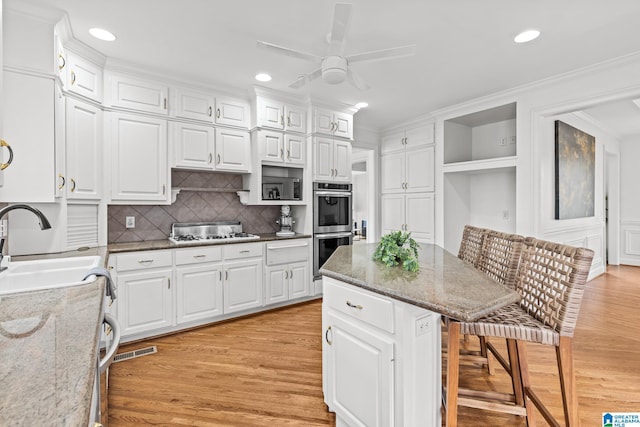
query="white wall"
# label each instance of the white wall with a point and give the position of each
(630, 201)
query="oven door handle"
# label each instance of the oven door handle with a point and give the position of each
(333, 193)
(333, 235)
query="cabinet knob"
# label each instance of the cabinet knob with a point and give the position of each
(326, 336)
(217, 113)
(210, 111)
(62, 183)
(218, 158)
(288, 120)
(352, 305)
(73, 184)
(73, 77)
(165, 103)
(210, 158)
(5, 165)
(61, 61)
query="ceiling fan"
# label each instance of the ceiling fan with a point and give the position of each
(334, 67)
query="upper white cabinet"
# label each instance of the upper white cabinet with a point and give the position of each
(139, 166)
(233, 150)
(278, 115)
(83, 177)
(138, 94)
(193, 145)
(332, 160)
(332, 123)
(232, 112)
(194, 105)
(410, 171)
(83, 77)
(276, 147)
(408, 139)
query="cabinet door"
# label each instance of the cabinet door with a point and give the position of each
(323, 159)
(233, 150)
(392, 167)
(232, 112)
(419, 136)
(360, 374)
(194, 105)
(193, 145)
(323, 121)
(342, 161)
(392, 210)
(84, 149)
(270, 114)
(419, 173)
(392, 142)
(294, 149)
(139, 95)
(144, 301)
(84, 77)
(343, 125)
(296, 119)
(139, 167)
(198, 292)
(420, 216)
(271, 146)
(242, 285)
(299, 280)
(276, 288)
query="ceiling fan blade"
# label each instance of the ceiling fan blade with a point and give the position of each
(289, 52)
(357, 81)
(379, 55)
(305, 79)
(341, 19)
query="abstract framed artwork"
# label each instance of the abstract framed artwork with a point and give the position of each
(575, 172)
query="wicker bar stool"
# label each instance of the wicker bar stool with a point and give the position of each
(551, 279)
(471, 244)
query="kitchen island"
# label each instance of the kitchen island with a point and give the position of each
(381, 345)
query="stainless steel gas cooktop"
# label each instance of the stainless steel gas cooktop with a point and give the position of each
(185, 233)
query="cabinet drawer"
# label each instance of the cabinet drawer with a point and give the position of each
(244, 250)
(143, 260)
(362, 305)
(286, 252)
(198, 255)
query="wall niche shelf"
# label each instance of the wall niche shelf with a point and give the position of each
(479, 166)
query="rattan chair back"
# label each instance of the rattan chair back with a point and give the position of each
(500, 257)
(471, 244)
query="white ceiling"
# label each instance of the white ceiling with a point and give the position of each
(465, 48)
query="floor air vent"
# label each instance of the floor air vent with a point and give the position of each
(135, 353)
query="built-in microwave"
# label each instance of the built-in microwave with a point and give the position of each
(281, 188)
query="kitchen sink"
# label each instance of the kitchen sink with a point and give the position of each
(25, 276)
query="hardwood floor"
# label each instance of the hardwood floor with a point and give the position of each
(266, 369)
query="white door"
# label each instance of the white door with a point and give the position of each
(276, 284)
(84, 77)
(198, 292)
(144, 301)
(360, 374)
(242, 285)
(296, 119)
(392, 167)
(294, 149)
(139, 95)
(270, 114)
(232, 112)
(392, 210)
(323, 159)
(343, 125)
(299, 275)
(420, 216)
(193, 145)
(232, 150)
(342, 161)
(84, 150)
(323, 121)
(194, 105)
(271, 146)
(420, 170)
(139, 167)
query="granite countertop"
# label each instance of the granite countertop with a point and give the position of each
(444, 283)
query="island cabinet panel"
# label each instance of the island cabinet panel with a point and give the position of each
(381, 358)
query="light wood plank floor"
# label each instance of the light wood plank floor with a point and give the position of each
(266, 369)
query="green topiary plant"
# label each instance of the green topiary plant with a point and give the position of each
(396, 248)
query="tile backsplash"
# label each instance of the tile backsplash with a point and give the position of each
(153, 222)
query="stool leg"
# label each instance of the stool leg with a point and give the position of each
(521, 350)
(453, 371)
(516, 375)
(564, 354)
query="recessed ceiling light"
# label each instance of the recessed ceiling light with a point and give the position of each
(526, 36)
(101, 34)
(361, 105)
(263, 77)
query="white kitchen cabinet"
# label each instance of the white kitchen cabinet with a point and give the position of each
(242, 285)
(413, 212)
(137, 94)
(199, 294)
(83, 150)
(381, 359)
(232, 112)
(61, 58)
(139, 166)
(279, 115)
(332, 160)
(194, 105)
(332, 123)
(408, 139)
(287, 273)
(83, 77)
(193, 145)
(276, 147)
(233, 150)
(408, 171)
(144, 291)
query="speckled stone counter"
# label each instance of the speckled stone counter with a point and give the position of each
(444, 284)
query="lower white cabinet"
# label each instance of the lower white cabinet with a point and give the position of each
(287, 272)
(381, 359)
(413, 212)
(242, 285)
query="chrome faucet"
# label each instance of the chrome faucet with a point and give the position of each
(44, 223)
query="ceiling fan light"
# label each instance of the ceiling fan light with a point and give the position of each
(334, 69)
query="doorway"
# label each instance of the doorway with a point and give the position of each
(362, 174)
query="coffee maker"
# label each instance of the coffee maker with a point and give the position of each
(286, 222)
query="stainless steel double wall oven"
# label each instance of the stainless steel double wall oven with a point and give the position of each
(332, 220)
